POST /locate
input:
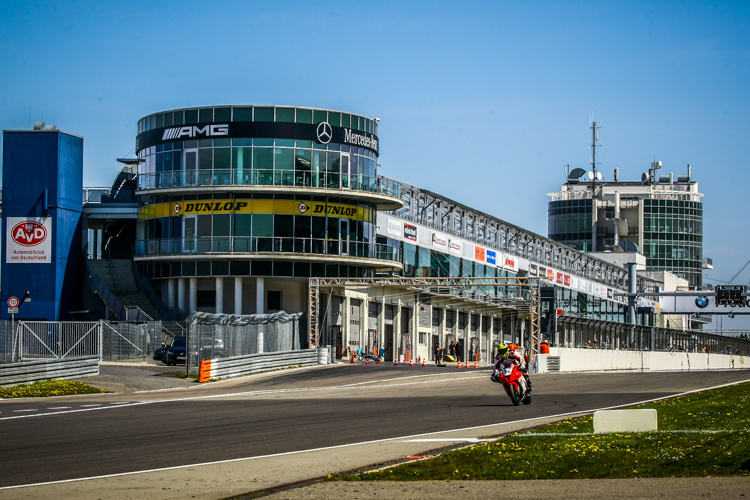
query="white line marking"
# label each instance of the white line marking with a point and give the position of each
(59, 408)
(121, 403)
(91, 406)
(34, 409)
(400, 438)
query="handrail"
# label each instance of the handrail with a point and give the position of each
(168, 313)
(138, 315)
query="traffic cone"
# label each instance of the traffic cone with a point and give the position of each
(352, 360)
(367, 361)
(424, 361)
(476, 364)
(395, 360)
(459, 364)
(378, 363)
(411, 362)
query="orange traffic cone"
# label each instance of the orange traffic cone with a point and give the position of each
(367, 361)
(467, 364)
(411, 362)
(476, 364)
(424, 361)
(378, 363)
(395, 360)
(352, 361)
(459, 363)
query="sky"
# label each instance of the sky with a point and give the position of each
(481, 102)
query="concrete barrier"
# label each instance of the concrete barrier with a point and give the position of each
(45, 369)
(606, 421)
(583, 360)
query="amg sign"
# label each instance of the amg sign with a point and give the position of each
(195, 131)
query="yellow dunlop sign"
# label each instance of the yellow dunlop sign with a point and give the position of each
(203, 207)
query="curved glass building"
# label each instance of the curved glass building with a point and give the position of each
(264, 196)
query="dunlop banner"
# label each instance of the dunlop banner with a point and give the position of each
(291, 207)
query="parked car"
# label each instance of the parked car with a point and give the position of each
(212, 349)
(177, 352)
(161, 354)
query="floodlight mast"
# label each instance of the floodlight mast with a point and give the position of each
(594, 140)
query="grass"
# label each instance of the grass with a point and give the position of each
(46, 388)
(702, 434)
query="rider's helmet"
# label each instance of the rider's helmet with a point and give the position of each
(502, 350)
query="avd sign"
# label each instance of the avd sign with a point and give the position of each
(28, 240)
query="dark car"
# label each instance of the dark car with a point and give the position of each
(212, 349)
(161, 354)
(177, 352)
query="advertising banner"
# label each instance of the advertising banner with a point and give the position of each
(510, 262)
(28, 240)
(455, 247)
(491, 257)
(410, 232)
(395, 227)
(479, 253)
(440, 240)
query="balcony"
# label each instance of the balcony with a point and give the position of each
(294, 181)
(268, 245)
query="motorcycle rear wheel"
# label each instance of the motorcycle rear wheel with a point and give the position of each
(527, 399)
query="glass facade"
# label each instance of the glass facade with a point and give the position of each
(673, 237)
(208, 163)
(570, 222)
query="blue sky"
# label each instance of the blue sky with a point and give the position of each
(483, 102)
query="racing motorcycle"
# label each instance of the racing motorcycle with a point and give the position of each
(513, 381)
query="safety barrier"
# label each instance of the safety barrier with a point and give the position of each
(253, 363)
(582, 360)
(31, 371)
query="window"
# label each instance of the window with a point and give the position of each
(273, 300)
(422, 338)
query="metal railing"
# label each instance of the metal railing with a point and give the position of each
(135, 313)
(253, 244)
(269, 177)
(166, 312)
(58, 339)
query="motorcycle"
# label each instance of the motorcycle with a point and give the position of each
(513, 381)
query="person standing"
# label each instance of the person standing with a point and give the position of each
(459, 351)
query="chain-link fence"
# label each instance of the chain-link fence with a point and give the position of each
(127, 340)
(215, 336)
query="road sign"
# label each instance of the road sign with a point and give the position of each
(12, 302)
(12, 310)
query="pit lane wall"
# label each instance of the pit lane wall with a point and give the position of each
(587, 360)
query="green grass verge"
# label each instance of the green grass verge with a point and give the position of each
(702, 434)
(47, 388)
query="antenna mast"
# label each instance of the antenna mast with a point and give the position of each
(594, 141)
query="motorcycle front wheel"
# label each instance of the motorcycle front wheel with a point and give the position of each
(513, 395)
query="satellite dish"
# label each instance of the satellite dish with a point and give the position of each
(576, 174)
(629, 246)
(591, 176)
(599, 176)
(644, 178)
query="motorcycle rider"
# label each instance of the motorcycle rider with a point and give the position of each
(509, 351)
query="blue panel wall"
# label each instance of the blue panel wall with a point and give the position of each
(33, 161)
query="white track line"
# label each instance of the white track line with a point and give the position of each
(400, 438)
(252, 393)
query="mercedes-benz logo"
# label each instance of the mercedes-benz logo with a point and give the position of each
(325, 133)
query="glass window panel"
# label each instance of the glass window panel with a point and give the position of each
(222, 142)
(283, 226)
(221, 224)
(222, 158)
(304, 144)
(319, 116)
(319, 227)
(222, 114)
(304, 115)
(206, 115)
(263, 158)
(287, 143)
(333, 228)
(263, 115)
(262, 225)
(168, 119)
(346, 120)
(191, 116)
(263, 142)
(284, 158)
(285, 115)
(159, 120)
(334, 118)
(205, 159)
(204, 226)
(302, 226)
(242, 224)
(244, 114)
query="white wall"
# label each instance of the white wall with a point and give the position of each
(584, 360)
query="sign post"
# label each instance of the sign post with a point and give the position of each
(13, 310)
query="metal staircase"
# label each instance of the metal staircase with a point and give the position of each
(117, 275)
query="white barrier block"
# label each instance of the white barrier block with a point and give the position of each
(624, 421)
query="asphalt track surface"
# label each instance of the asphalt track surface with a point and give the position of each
(55, 439)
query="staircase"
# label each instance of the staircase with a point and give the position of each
(117, 274)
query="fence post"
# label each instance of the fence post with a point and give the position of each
(259, 347)
(101, 340)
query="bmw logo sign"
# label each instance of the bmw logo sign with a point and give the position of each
(701, 302)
